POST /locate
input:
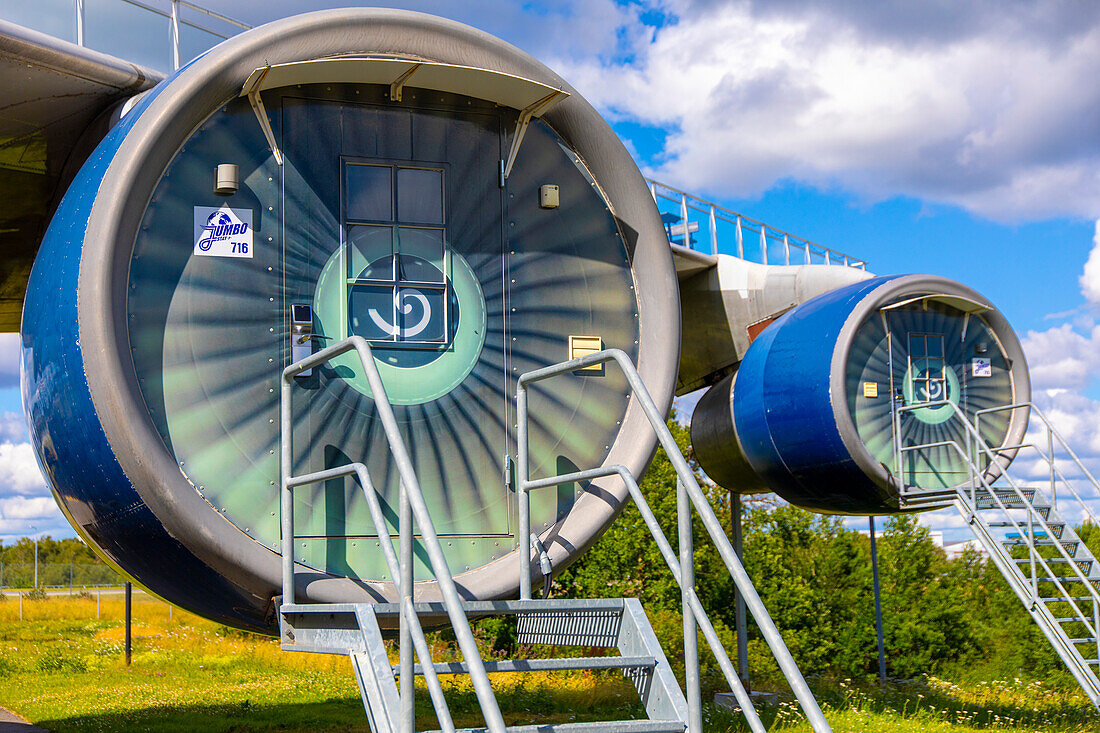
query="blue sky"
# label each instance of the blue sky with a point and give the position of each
(961, 139)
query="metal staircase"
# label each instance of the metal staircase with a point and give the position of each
(1049, 568)
(356, 629)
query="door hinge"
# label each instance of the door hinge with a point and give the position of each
(509, 473)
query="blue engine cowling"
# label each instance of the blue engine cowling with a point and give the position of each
(825, 408)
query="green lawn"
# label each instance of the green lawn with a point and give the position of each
(62, 668)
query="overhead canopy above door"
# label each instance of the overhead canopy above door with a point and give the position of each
(531, 98)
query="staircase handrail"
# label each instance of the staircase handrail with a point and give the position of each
(1033, 554)
(420, 642)
(978, 473)
(412, 505)
(1052, 434)
(685, 479)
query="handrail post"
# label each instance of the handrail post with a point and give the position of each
(286, 499)
(713, 232)
(1050, 457)
(687, 584)
(523, 498)
(80, 22)
(175, 34)
(684, 217)
(740, 239)
(405, 587)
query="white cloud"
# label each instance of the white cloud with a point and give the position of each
(1090, 278)
(24, 508)
(19, 472)
(996, 117)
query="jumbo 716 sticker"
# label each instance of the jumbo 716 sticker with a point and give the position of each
(223, 232)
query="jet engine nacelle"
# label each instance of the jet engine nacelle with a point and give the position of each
(368, 172)
(825, 408)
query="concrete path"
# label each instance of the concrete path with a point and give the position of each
(12, 723)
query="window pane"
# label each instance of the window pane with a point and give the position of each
(370, 252)
(420, 311)
(368, 193)
(419, 196)
(421, 254)
(935, 345)
(370, 312)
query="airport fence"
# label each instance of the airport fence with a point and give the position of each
(58, 575)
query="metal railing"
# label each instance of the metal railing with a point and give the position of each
(188, 28)
(1003, 493)
(689, 494)
(1054, 441)
(744, 236)
(411, 506)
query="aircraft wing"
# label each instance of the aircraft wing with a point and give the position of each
(54, 94)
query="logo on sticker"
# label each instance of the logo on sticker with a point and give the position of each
(981, 367)
(223, 232)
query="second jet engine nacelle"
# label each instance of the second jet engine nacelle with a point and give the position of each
(826, 406)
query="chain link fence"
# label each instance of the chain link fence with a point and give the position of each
(58, 575)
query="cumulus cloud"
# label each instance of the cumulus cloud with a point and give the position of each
(987, 105)
(19, 472)
(987, 113)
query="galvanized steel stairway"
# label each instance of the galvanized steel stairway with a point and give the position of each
(612, 623)
(356, 629)
(1046, 564)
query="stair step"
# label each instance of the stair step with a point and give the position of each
(609, 726)
(1052, 523)
(1082, 641)
(1011, 500)
(557, 664)
(1065, 599)
(1070, 545)
(1084, 563)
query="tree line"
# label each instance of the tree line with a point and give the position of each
(941, 616)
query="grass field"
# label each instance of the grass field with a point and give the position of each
(62, 668)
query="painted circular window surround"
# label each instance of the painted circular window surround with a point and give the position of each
(411, 385)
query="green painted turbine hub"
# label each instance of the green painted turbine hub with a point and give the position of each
(931, 390)
(412, 376)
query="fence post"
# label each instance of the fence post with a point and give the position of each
(129, 616)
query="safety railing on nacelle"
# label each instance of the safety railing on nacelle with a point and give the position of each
(411, 505)
(185, 36)
(689, 494)
(751, 239)
(977, 477)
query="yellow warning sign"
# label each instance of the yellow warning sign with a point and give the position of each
(870, 389)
